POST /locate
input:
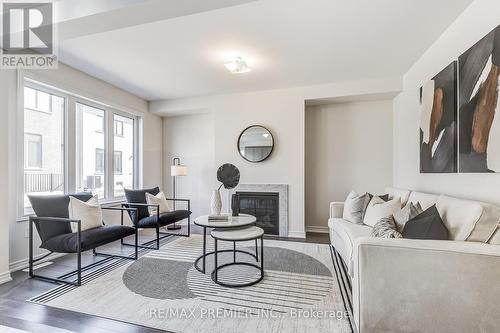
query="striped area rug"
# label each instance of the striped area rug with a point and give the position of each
(305, 288)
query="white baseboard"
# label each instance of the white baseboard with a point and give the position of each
(296, 234)
(5, 277)
(317, 229)
(23, 263)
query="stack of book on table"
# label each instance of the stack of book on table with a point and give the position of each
(218, 217)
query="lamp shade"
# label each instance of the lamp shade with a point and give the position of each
(178, 170)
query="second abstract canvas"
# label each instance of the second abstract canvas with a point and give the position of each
(438, 123)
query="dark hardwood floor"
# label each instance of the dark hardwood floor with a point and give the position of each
(16, 313)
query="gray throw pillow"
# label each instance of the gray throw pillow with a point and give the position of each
(355, 207)
(386, 228)
(407, 213)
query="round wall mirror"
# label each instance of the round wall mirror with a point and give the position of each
(255, 143)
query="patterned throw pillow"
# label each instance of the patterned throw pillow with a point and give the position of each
(407, 213)
(355, 207)
(386, 228)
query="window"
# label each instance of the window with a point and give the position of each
(99, 160)
(90, 152)
(100, 124)
(124, 163)
(44, 144)
(32, 151)
(38, 100)
(118, 162)
(118, 128)
(104, 141)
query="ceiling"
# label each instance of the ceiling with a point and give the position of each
(176, 49)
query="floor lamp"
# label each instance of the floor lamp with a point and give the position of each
(177, 169)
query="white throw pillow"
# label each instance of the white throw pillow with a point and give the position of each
(355, 207)
(160, 200)
(378, 209)
(89, 213)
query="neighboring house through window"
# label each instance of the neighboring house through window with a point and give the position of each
(118, 162)
(99, 160)
(32, 151)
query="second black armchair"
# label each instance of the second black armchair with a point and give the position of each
(136, 199)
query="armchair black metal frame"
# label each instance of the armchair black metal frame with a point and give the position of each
(159, 234)
(80, 269)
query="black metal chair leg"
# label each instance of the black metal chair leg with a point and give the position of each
(30, 248)
(157, 238)
(136, 243)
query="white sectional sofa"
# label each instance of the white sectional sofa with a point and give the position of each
(407, 285)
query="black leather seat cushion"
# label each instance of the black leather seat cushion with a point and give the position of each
(165, 219)
(91, 238)
(139, 196)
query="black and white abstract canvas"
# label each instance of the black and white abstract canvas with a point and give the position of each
(438, 123)
(479, 132)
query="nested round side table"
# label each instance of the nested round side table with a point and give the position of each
(233, 222)
(238, 235)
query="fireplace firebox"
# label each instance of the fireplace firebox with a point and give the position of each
(264, 206)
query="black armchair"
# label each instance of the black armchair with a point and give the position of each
(141, 218)
(54, 228)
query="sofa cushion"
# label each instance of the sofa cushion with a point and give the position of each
(427, 225)
(378, 209)
(394, 193)
(495, 239)
(426, 200)
(344, 234)
(459, 216)
(487, 225)
(355, 207)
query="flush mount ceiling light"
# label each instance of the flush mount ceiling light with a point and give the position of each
(237, 66)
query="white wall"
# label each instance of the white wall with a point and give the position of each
(191, 138)
(476, 21)
(348, 147)
(74, 81)
(7, 103)
(282, 112)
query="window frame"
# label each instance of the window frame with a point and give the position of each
(69, 139)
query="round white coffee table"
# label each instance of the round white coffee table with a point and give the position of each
(238, 235)
(233, 222)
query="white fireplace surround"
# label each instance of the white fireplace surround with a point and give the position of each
(281, 189)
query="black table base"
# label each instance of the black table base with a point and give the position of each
(215, 272)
